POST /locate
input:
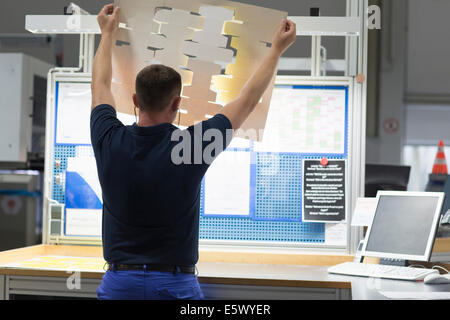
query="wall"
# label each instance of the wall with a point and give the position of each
(428, 74)
(414, 86)
(428, 87)
(428, 49)
(387, 147)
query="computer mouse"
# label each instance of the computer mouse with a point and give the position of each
(445, 221)
(437, 278)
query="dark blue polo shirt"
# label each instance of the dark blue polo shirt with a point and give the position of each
(150, 204)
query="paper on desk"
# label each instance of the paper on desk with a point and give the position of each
(364, 212)
(416, 295)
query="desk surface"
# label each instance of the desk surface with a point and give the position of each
(56, 261)
(41, 261)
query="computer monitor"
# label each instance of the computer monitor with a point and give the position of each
(404, 225)
(446, 190)
(385, 178)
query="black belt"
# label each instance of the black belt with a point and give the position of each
(150, 267)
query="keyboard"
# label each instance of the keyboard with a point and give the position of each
(381, 271)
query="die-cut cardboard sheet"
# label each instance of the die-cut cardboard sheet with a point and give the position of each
(196, 38)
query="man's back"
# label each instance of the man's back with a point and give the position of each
(150, 203)
(151, 198)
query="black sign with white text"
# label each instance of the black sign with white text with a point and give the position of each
(324, 191)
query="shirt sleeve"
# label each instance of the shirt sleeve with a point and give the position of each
(103, 123)
(213, 136)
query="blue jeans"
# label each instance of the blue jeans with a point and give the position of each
(149, 285)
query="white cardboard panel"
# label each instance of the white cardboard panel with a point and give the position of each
(207, 52)
(197, 109)
(178, 32)
(179, 18)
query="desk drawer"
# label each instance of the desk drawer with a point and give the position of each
(245, 292)
(53, 286)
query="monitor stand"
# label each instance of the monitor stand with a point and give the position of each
(393, 262)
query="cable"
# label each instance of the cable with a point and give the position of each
(439, 267)
(434, 267)
(416, 266)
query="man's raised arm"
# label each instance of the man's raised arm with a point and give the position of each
(108, 20)
(239, 110)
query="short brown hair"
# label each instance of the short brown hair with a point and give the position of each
(156, 85)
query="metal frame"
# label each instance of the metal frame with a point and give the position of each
(55, 75)
(356, 56)
(2, 287)
(305, 64)
(316, 57)
(206, 244)
(353, 27)
(310, 26)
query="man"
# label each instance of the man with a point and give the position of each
(150, 204)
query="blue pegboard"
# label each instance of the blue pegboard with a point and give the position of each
(278, 207)
(252, 230)
(61, 153)
(278, 185)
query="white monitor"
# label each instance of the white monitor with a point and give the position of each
(404, 225)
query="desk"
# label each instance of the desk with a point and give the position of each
(23, 271)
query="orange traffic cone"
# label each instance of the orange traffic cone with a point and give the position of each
(440, 164)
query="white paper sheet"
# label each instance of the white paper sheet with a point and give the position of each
(73, 116)
(336, 234)
(83, 222)
(305, 121)
(416, 295)
(364, 212)
(227, 185)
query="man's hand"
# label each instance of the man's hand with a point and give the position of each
(108, 19)
(285, 36)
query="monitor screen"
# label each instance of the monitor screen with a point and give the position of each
(404, 225)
